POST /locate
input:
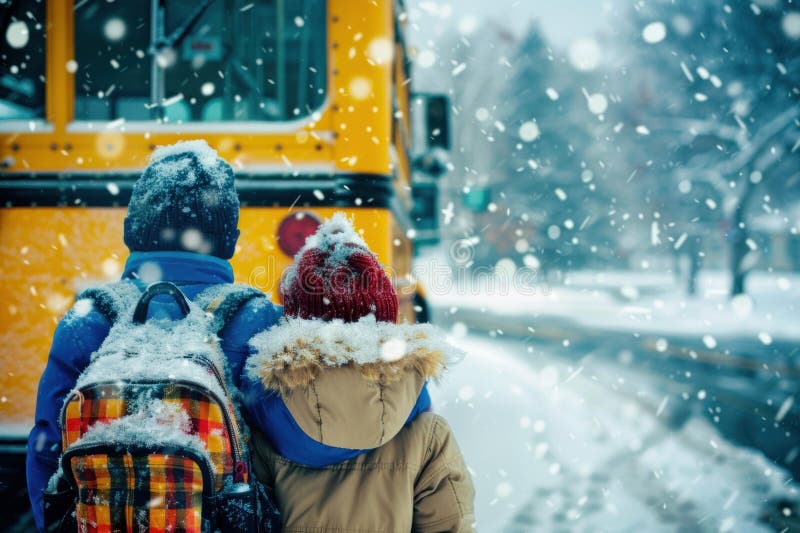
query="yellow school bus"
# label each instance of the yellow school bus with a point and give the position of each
(307, 99)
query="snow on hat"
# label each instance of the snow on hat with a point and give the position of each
(336, 276)
(184, 200)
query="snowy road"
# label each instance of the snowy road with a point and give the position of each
(558, 444)
(584, 445)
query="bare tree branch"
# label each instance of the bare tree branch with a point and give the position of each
(714, 173)
(764, 136)
(696, 127)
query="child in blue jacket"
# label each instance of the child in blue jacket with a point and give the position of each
(181, 226)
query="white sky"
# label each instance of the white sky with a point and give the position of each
(562, 20)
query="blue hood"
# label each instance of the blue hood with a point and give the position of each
(273, 417)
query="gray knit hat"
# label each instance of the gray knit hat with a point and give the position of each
(184, 200)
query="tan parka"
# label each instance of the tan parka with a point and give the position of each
(353, 386)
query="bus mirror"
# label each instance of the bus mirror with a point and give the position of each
(433, 162)
(425, 212)
(433, 118)
(437, 118)
(431, 126)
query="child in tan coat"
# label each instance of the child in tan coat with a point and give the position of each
(336, 395)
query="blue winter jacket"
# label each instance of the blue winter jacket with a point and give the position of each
(77, 337)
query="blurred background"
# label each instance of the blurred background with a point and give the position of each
(621, 220)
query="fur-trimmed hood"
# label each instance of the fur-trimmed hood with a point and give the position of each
(349, 385)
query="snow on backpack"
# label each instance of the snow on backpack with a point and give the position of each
(151, 439)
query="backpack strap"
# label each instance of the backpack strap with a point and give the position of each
(223, 302)
(112, 299)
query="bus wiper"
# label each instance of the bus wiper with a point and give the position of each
(160, 43)
(177, 37)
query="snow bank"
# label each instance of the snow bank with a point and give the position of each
(626, 301)
(724, 481)
(563, 445)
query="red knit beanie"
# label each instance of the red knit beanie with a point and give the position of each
(335, 276)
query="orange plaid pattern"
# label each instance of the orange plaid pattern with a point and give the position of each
(102, 403)
(126, 493)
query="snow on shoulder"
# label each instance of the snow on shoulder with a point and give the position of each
(156, 350)
(292, 353)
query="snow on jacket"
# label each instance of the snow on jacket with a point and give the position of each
(83, 329)
(342, 428)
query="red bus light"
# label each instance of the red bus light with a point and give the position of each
(295, 229)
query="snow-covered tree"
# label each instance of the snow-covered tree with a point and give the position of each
(712, 90)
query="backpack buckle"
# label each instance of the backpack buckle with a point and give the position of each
(240, 471)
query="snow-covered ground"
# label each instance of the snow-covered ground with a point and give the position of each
(627, 301)
(554, 447)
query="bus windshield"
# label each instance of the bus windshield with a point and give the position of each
(180, 61)
(22, 53)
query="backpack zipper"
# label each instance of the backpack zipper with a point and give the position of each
(240, 466)
(206, 467)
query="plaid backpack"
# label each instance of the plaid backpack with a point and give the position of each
(151, 440)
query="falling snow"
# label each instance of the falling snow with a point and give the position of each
(614, 239)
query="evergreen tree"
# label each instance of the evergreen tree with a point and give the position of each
(550, 177)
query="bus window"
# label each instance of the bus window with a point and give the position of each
(22, 54)
(187, 60)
